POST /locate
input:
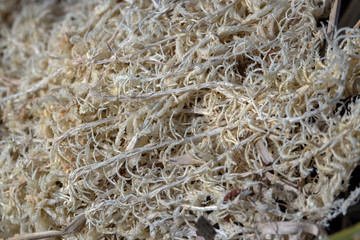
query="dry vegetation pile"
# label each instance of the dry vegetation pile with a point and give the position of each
(145, 115)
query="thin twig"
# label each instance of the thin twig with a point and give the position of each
(91, 167)
(357, 24)
(333, 19)
(74, 227)
(41, 84)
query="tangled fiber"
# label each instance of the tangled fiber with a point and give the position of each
(145, 115)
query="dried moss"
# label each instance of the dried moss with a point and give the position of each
(144, 114)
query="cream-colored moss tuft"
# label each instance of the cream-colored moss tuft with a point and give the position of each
(144, 115)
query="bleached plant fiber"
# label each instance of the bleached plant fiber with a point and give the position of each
(144, 114)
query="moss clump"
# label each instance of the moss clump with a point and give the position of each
(144, 115)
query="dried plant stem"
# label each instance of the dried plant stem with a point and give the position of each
(334, 18)
(74, 227)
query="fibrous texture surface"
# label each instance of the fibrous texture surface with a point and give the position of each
(145, 115)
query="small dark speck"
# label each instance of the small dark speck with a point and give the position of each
(59, 184)
(238, 224)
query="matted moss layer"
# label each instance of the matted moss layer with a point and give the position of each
(145, 115)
